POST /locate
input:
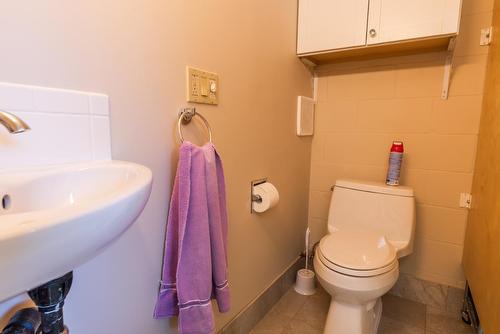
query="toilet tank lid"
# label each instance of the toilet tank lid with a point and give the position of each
(375, 187)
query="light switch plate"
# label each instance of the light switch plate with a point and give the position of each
(202, 86)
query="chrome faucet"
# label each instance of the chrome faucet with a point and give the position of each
(12, 123)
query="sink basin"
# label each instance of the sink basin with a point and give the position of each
(53, 219)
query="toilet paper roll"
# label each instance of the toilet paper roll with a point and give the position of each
(268, 193)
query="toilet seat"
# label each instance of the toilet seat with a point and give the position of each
(358, 253)
(354, 272)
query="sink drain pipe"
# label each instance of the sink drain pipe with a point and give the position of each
(48, 319)
(49, 298)
(25, 321)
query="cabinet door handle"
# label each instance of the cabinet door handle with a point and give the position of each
(373, 33)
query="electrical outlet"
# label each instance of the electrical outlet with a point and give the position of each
(486, 36)
(202, 86)
(465, 200)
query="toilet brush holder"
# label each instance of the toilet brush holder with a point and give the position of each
(305, 283)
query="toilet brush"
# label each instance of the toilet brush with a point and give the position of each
(305, 277)
(308, 233)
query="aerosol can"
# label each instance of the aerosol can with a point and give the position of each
(395, 161)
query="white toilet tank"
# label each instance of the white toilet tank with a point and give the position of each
(364, 205)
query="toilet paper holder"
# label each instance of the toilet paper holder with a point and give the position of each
(253, 197)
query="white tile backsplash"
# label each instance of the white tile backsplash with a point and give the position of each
(16, 97)
(61, 101)
(99, 104)
(101, 135)
(66, 126)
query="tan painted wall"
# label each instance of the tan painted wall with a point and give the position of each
(364, 106)
(136, 51)
(482, 242)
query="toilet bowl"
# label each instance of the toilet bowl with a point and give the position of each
(370, 227)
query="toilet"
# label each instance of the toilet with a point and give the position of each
(370, 226)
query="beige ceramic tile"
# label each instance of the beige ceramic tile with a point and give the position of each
(351, 148)
(440, 322)
(419, 80)
(443, 188)
(441, 224)
(454, 153)
(439, 259)
(260, 329)
(322, 93)
(367, 172)
(391, 326)
(411, 288)
(447, 280)
(395, 115)
(410, 312)
(414, 178)
(457, 115)
(468, 75)
(314, 312)
(273, 322)
(454, 301)
(376, 82)
(337, 115)
(468, 39)
(342, 85)
(297, 326)
(476, 6)
(321, 296)
(290, 304)
(324, 175)
(437, 188)
(318, 228)
(318, 148)
(319, 203)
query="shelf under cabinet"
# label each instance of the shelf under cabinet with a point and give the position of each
(400, 48)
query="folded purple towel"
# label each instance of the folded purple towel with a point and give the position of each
(195, 262)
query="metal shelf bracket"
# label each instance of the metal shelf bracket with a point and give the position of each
(448, 68)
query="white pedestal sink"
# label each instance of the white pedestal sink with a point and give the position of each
(53, 219)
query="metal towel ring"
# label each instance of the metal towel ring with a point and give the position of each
(185, 116)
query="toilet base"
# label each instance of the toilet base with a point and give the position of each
(353, 318)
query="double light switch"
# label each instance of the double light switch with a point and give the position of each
(202, 86)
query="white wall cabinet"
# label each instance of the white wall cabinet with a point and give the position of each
(397, 20)
(332, 25)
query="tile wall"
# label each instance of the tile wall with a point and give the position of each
(66, 126)
(364, 106)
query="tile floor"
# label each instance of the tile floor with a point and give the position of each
(297, 314)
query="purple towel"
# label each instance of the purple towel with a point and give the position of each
(195, 263)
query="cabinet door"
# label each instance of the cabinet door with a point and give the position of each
(331, 24)
(396, 20)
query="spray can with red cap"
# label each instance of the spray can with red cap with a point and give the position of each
(395, 161)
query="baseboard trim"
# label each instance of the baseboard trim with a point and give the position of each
(245, 320)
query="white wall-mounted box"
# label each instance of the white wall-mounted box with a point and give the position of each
(305, 116)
